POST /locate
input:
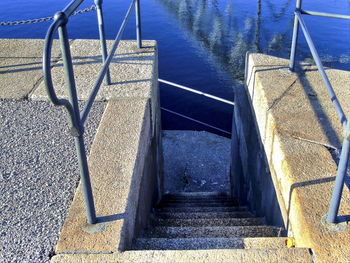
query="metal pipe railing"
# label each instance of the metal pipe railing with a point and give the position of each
(103, 71)
(320, 67)
(196, 121)
(101, 30)
(77, 119)
(344, 157)
(71, 7)
(199, 93)
(322, 14)
(196, 91)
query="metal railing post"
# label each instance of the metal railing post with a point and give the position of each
(76, 118)
(77, 130)
(138, 23)
(295, 37)
(339, 180)
(323, 74)
(101, 29)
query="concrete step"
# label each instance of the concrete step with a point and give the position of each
(199, 200)
(208, 243)
(196, 196)
(211, 231)
(207, 222)
(201, 209)
(198, 215)
(285, 255)
(197, 204)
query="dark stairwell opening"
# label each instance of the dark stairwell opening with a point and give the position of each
(199, 210)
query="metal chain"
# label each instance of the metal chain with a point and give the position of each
(92, 8)
(43, 19)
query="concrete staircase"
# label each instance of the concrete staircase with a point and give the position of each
(191, 222)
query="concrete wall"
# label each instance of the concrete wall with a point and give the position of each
(126, 158)
(251, 180)
(152, 181)
(288, 135)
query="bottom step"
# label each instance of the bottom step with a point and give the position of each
(235, 255)
(300, 255)
(214, 231)
(207, 243)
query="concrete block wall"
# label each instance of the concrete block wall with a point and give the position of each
(251, 180)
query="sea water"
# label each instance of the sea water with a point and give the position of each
(202, 43)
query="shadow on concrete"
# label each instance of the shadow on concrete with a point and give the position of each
(34, 65)
(18, 65)
(319, 112)
(340, 218)
(110, 218)
(325, 124)
(131, 81)
(277, 67)
(56, 62)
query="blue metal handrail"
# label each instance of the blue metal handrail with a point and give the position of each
(76, 118)
(172, 84)
(196, 91)
(344, 156)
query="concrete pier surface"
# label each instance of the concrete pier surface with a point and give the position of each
(38, 164)
(294, 120)
(38, 176)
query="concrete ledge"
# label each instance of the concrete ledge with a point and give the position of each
(21, 66)
(116, 163)
(125, 161)
(297, 125)
(131, 70)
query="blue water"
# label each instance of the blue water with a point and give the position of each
(201, 42)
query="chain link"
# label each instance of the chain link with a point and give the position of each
(43, 19)
(92, 8)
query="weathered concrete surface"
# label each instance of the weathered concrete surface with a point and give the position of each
(299, 102)
(131, 70)
(130, 131)
(196, 161)
(134, 74)
(116, 162)
(21, 66)
(221, 255)
(38, 176)
(126, 158)
(296, 120)
(251, 181)
(210, 243)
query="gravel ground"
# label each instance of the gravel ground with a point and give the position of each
(39, 175)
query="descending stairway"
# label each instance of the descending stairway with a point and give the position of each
(211, 221)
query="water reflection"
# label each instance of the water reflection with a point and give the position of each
(227, 29)
(285, 6)
(226, 33)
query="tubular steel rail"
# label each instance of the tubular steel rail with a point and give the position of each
(199, 93)
(196, 91)
(196, 121)
(344, 156)
(77, 118)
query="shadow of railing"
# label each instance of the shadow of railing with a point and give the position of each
(299, 23)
